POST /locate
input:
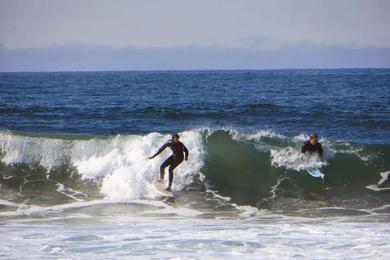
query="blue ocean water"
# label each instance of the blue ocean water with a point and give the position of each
(76, 181)
(343, 104)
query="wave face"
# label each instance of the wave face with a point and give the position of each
(262, 169)
(269, 171)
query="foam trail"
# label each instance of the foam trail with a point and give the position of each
(384, 177)
(7, 203)
(257, 136)
(293, 159)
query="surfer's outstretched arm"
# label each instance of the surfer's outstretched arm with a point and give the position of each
(162, 148)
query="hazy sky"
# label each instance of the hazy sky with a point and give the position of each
(119, 23)
(245, 24)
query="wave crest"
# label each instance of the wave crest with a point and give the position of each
(251, 168)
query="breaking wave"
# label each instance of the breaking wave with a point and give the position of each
(263, 169)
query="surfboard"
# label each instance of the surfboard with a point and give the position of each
(159, 187)
(315, 172)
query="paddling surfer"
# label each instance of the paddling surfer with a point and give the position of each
(178, 148)
(312, 145)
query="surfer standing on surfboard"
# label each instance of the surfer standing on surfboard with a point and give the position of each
(312, 145)
(178, 148)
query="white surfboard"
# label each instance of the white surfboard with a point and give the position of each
(159, 187)
(315, 172)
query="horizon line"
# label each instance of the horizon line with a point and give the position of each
(204, 70)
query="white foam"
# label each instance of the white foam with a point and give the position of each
(70, 193)
(8, 203)
(187, 237)
(275, 187)
(28, 210)
(289, 157)
(21, 149)
(121, 161)
(384, 177)
(293, 159)
(255, 136)
(133, 174)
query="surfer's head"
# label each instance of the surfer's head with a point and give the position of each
(313, 138)
(175, 137)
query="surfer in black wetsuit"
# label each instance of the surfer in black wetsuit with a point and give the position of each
(312, 145)
(178, 148)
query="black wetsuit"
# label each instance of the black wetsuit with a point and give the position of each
(174, 160)
(312, 147)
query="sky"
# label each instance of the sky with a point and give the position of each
(40, 35)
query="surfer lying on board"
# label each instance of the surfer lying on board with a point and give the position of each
(312, 145)
(178, 148)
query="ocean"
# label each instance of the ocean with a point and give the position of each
(75, 181)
